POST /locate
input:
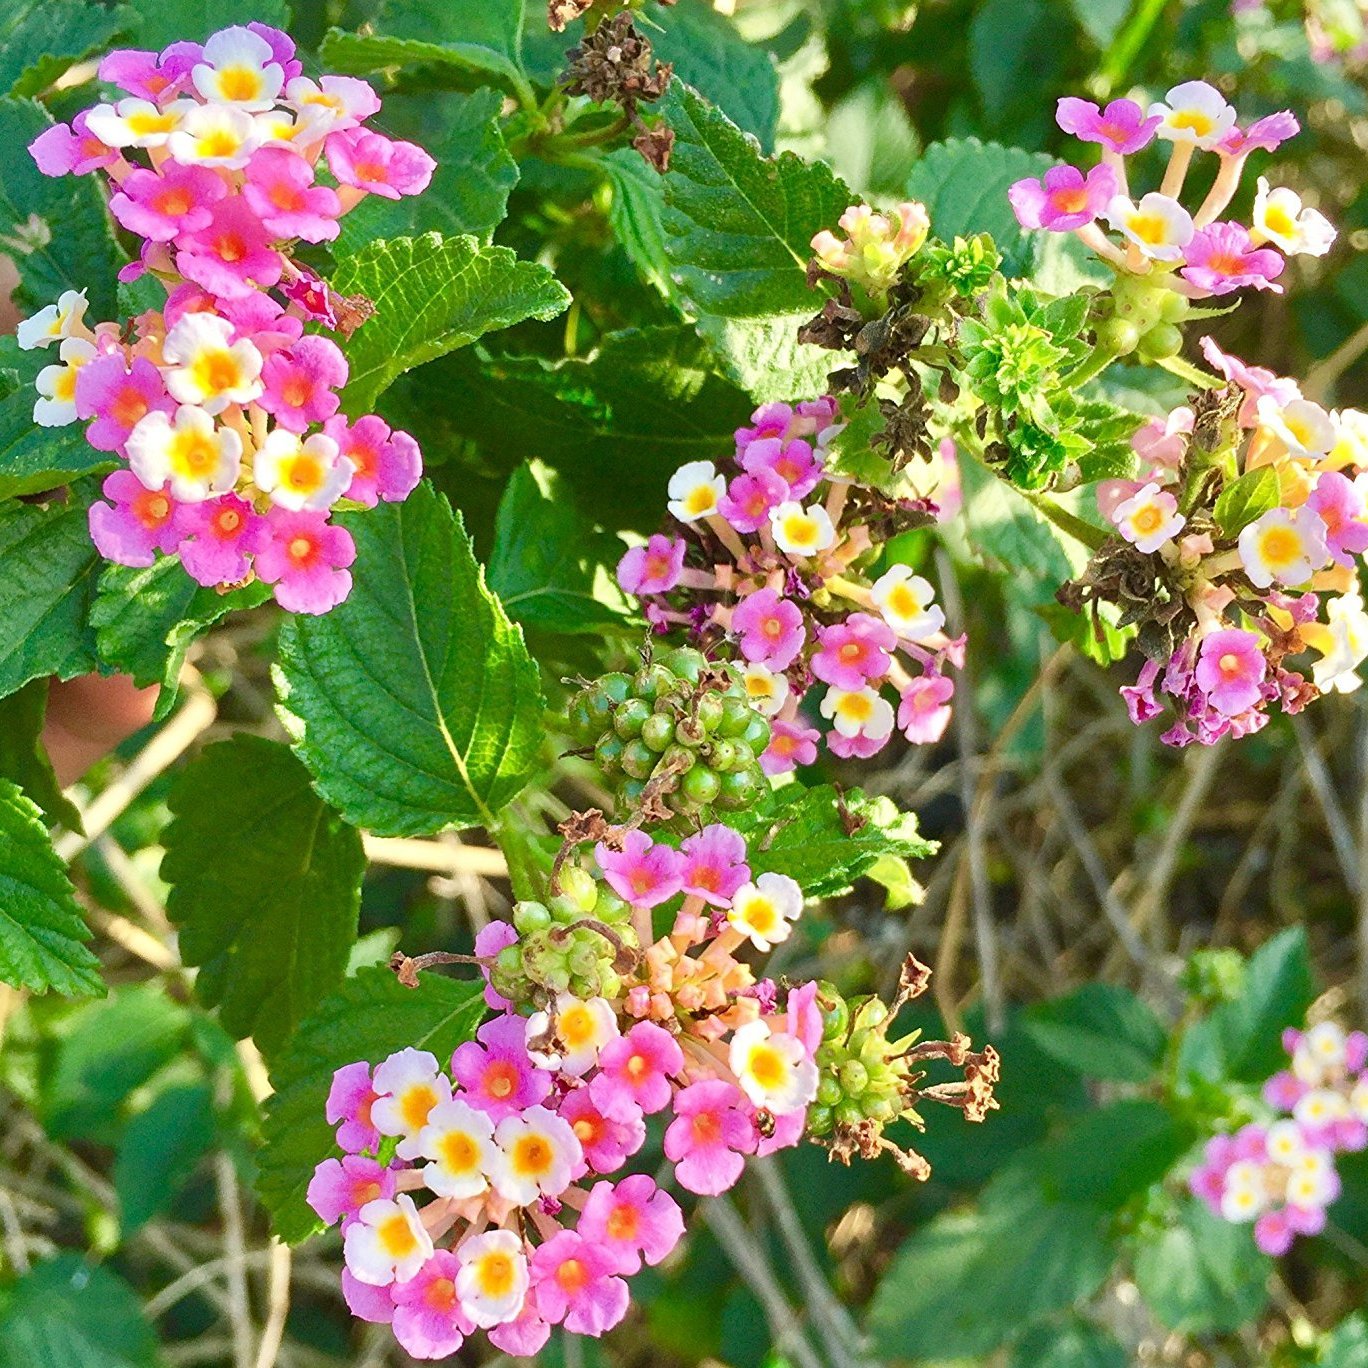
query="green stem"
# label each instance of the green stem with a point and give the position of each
(1101, 358)
(1077, 528)
(1127, 44)
(1194, 375)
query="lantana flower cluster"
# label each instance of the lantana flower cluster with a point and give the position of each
(1281, 1174)
(1238, 546)
(519, 1151)
(769, 560)
(1188, 251)
(221, 409)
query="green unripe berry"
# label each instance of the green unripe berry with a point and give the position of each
(658, 731)
(528, 917)
(679, 759)
(608, 752)
(725, 756)
(584, 959)
(1119, 336)
(689, 733)
(685, 663)
(836, 1017)
(579, 884)
(819, 1120)
(510, 958)
(1174, 309)
(740, 788)
(1162, 341)
(632, 790)
(757, 733)
(617, 686)
(700, 785)
(630, 717)
(709, 711)
(849, 1113)
(854, 1078)
(880, 1109)
(829, 1091)
(638, 759)
(583, 726)
(652, 681)
(736, 716)
(609, 984)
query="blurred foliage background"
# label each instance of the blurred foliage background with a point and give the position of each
(1095, 899)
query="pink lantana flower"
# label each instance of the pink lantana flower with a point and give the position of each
(525, 1336)
(161, 205)
(644, 872)
(577, 1284)
(232, 256)
(607, 1141)
(924, 709)
(350, 1099)
(634, 1071)
(749, 498)
(791, 744)
(634, 1221)
(367, 1303)
(1064, 199)
(709, 1137)
(118, 398)
(341, 1187)
(491, 938)
(280, 190)
(853, 652)
(1266, 134)
(793, 461)
(306, 558)
(388, 464)
(1230, 671)
(428, 1320)
(496, 1071)
(300, 383)
(654, 568)
(149, 75)
(714, 864)
(1122, 127)
(770, 629)
(136, 523)
(219, 538)
(71, 149)
(370, 162)
(1340, 503)
(1222, 258)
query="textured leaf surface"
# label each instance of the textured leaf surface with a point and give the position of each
(550, 567)
(739, 225)
(431, 295)
(414, 704)
(146, 619)
(470, 188)
(40, 39)
(56, 228)
(23, 757)
(48, 570)
(265, 886)
(67, 1313)
(34, 459)
(42, 934)
(803, 832)
(963, 183)
(369, 1018)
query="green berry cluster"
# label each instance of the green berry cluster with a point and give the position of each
(862, 1075)
(682, 724)
(573, 943)
(1143, 317)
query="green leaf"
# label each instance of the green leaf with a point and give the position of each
(469, 36)
(1101, 20)
(1240, 1040)
(23, 757)
(826, 840)
(1246, 500)
(1074, 1344)
(1100, 1030)
(963, 183)
(470, 188)
(550, 567)
(738, 224)
(870, 140)
(1109, 430)
(1108, 1155)
(146, 620)
(56, 228)
(431, 295)
(635, 214)
(67, 1313)
(967, 1283)
(36, 459)
(40, 39)
(710, 55)
(161, 22)
(765, 358)
(160, 1150)
(48, 569)
(107, 1051)
(1199, 1274)
(615, 424)
(1347, 1347)
(41, 930)
(265, 887)
(414, 704)
(368, 1018)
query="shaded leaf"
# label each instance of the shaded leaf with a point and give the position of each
(431, 295)
(1074, 1344)
(161, 22)
(42, 933)
(1100, 1030)
(414, 704)
(160, 1149)
(40, 39)
(24, 759)
(265, 887)
(370, 1017)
